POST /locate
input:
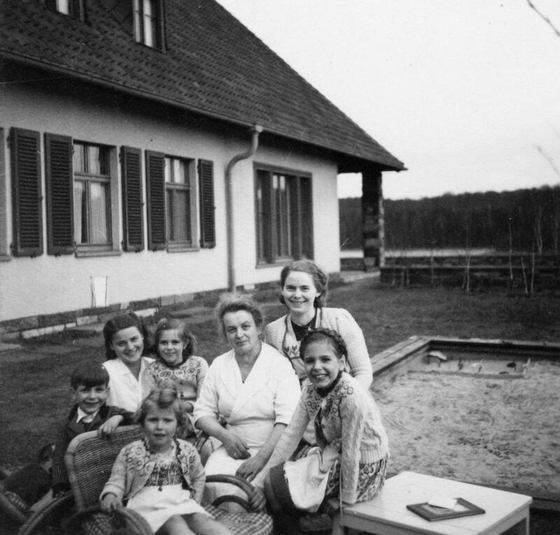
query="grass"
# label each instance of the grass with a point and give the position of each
(34, 381)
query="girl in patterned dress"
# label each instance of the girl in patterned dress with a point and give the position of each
(349, 463)
(177, 365)
(160, 475)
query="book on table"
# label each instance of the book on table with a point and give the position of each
(432, 512)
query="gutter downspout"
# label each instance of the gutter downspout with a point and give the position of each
(255, 131)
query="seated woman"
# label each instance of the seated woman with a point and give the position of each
(349, 463)
(304, 292)
(252, 386)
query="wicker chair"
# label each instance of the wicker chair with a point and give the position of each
(89, 460)
(13, 507)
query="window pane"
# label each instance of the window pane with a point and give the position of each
(180, 175)
(260, 218)
(80, 213)
(78, 158)
(93, 167)
(282, 217)
(168, 170)
(181, 221)
(92, 223)
(137, 21)
(148, 23)
(99, 227)
(63, 7)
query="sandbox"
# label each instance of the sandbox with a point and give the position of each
(480, 411)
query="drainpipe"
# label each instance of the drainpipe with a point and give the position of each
(255, 131)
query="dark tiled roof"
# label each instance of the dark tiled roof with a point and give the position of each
(212, 65)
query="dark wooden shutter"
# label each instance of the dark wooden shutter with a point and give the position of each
(26, 193)
(161, 38)
(155, 187)
(207, 208)
(306, 217)
(133, 227)
(60, 194)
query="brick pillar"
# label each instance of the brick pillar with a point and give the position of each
(372, 218)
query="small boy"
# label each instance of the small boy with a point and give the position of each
(90, 384)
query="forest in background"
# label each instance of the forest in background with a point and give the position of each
(521, 220)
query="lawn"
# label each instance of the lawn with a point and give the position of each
(34, 381)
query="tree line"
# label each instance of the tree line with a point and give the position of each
(521, 220)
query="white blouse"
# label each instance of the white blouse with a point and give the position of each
(125, 390)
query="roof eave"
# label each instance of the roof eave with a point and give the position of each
(344, 158)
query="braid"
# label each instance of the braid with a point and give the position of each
(314, 335)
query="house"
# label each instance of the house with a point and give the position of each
(154, 149)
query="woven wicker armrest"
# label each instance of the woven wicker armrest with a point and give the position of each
(243, 484)
(50, 514)
(93, 521)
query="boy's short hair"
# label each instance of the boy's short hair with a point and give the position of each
(89, 373)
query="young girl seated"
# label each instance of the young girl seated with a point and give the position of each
(348, 465)
(130, 381)
(160, 475)
(176, 364)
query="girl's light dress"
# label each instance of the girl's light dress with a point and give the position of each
(188, 377)
(156, 484)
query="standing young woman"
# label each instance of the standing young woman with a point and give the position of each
(304, 292)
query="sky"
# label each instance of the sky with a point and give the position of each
(465, 92)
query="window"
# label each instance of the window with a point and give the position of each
(80, 184)
(284, 215)
(92, 197)
(178, 201)
(73, 8)
(170, 188)
(148, 23)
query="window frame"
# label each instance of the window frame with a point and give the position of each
(95, 178)
(75, 8)
(190, 185)
(277, 241)
(157, 27)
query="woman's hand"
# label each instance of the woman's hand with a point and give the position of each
(235, 447)
(257, 500)
(250, 468)
(110, 502)
(331, 506)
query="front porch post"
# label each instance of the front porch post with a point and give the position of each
(372, 219)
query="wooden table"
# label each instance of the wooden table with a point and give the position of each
(387, 514)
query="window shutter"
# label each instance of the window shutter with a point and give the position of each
(26, 193)
(133, 228)
(161, 38)
(155, 186)
(306, 218)
(60, 194)
(207, 208)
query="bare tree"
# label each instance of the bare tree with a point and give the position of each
(544, 17)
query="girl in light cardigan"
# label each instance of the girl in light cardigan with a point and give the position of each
(160, 475)
(352, 445)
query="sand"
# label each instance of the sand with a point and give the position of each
(492, 431)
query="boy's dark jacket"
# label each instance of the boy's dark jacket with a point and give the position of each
(70, 429)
